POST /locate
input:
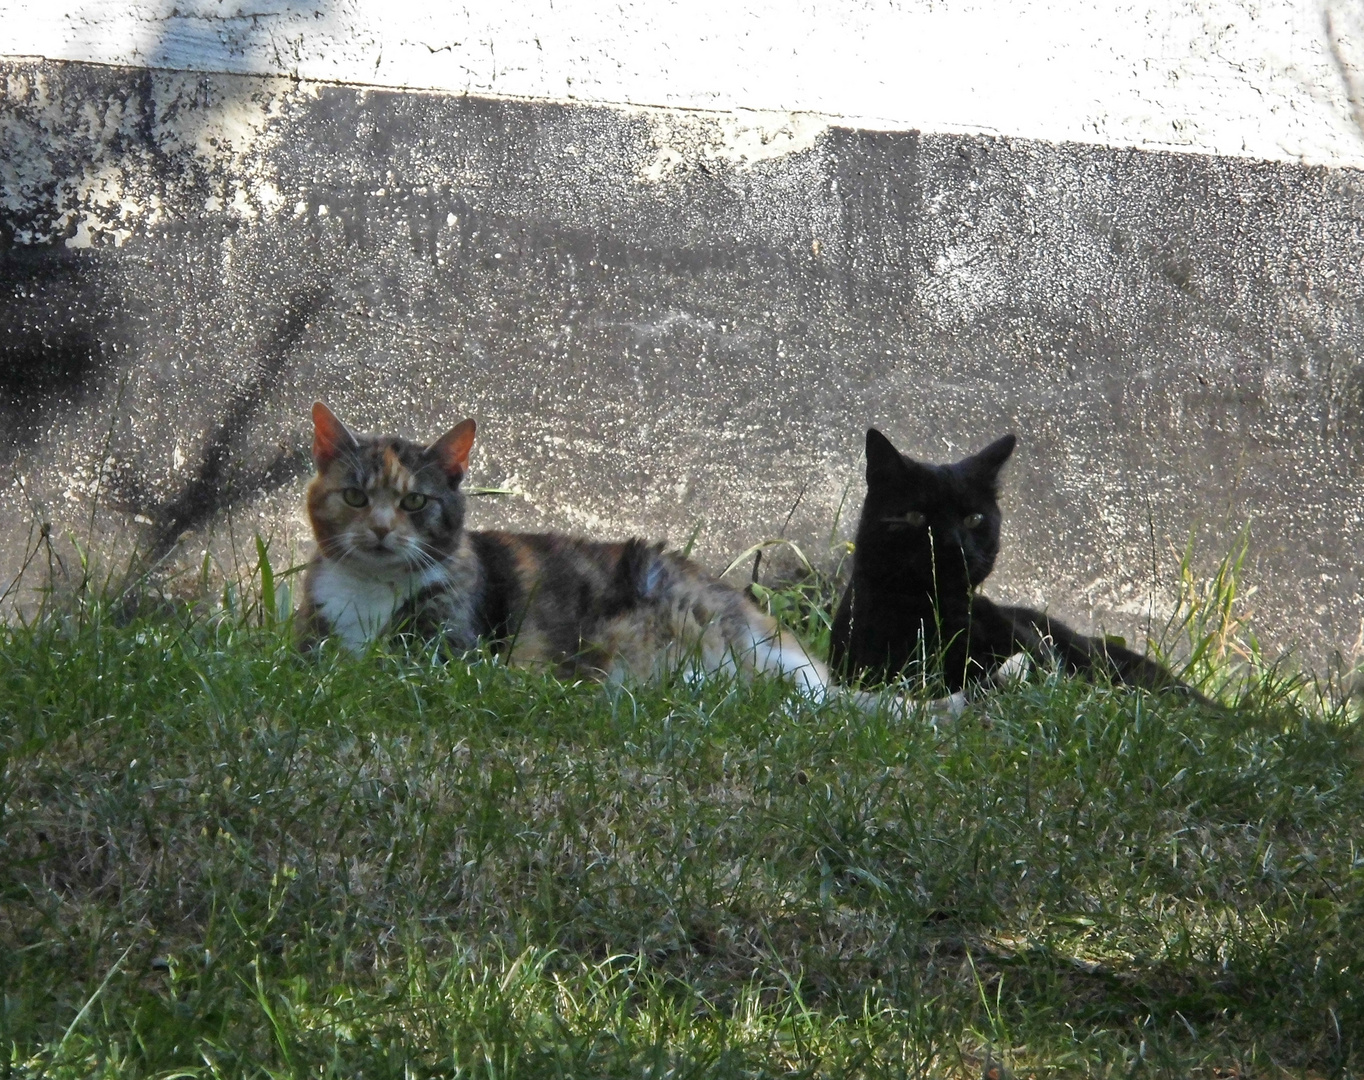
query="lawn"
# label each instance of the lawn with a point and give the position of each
(219, 858)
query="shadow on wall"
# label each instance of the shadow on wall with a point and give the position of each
(225, 474)
(1344, 21)
(87, 360)
(53, 355)
(1344, 24)
(203, 35)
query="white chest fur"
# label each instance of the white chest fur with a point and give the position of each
(358, 607)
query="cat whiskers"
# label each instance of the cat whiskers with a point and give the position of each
(338, 547)
(417, 560)
(420, 558)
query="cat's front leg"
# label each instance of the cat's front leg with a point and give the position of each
(902, 706)
(309, 628)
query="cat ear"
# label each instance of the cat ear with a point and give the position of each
(985, 465)
(883, 460)
(451, 450)
(331, 438)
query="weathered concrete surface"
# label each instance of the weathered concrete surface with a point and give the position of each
(663, 318)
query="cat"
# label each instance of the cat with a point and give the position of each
(393, 555)
(927, 537)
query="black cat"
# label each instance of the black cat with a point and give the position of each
(927, 538)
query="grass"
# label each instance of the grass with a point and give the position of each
(219, 858)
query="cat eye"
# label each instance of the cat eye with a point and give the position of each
(413, 501)
(354, 497)
(973, 521)
(912, 518)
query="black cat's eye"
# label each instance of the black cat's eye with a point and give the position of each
(354, 497)
(912, 518)
(413, 501)
(973, 521)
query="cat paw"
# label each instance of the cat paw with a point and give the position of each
(1013, 671)
(953, 705)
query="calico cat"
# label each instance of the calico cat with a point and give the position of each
(928, 536)
(393, 555)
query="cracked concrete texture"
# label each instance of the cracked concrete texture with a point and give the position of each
(660, 335)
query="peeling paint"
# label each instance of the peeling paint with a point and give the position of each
(97, 166)
(680, 141)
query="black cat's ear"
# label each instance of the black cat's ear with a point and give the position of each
(451, 450)
(883, 460)
(985, 466)
(331, 438)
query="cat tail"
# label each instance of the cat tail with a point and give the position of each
(747, 640)
(778, 651)
(1081, 654)
(1137, 670)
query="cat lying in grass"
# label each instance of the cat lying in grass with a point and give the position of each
(393, 555)
(927, 537)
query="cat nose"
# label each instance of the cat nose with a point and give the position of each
(380, 531)
(948, 538)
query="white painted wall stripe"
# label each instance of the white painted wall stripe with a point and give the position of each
(1273, 79)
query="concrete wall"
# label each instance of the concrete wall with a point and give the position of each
(665, 317)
